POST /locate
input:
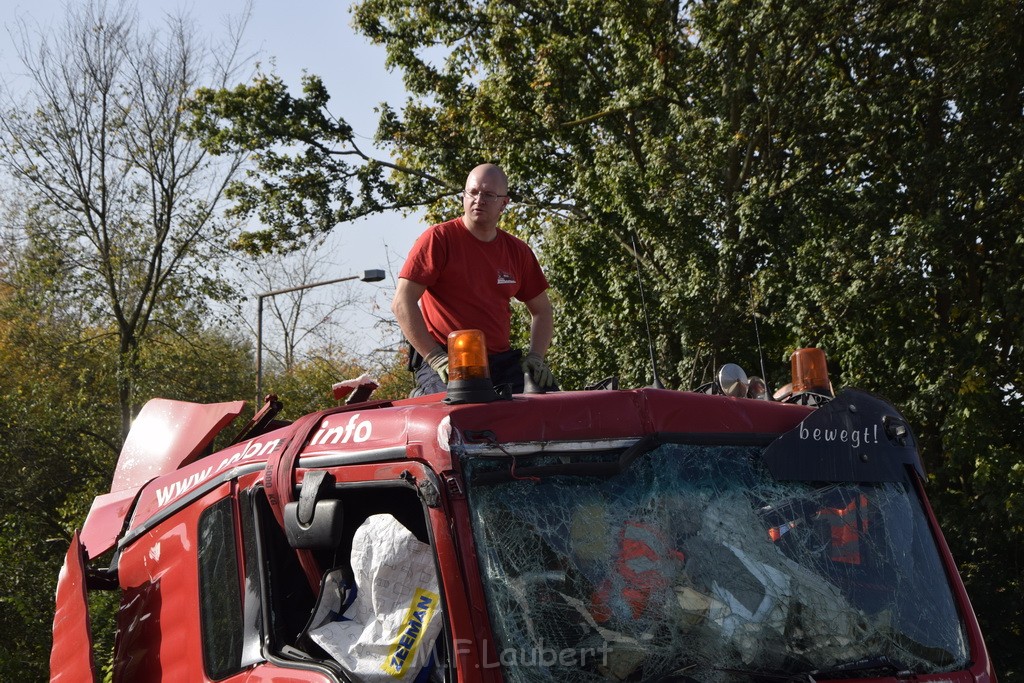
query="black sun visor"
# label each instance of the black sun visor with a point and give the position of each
(857, 437)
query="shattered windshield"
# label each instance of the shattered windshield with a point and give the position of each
(693, 561)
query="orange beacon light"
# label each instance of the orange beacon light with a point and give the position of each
(467, 356)
(810, 372)
(469, 376)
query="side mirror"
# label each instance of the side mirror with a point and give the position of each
(322, 531)
(313, 522)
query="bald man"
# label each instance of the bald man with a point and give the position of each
(463, 274)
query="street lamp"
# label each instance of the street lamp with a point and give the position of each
(375, 275)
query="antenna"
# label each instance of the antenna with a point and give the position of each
(647, 323)
(757, 331)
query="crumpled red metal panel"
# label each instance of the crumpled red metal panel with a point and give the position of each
(71, 659)
(105, 521)
(167, 435)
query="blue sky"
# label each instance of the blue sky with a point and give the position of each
(314, 35)
(311, 35)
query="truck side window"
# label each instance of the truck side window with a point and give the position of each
(220, 607)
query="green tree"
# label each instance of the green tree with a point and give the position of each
(60, 434)
(111, 212)
(308, 173)
(131, 202)
(54, 456)
(306, 385)
(850, 171)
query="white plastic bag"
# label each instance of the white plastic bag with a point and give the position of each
(388, 632)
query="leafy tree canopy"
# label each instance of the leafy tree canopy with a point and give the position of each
(60, 438)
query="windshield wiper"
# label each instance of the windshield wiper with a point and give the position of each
(673, 677)
(782, 676)
(880, 663)
(677, 676)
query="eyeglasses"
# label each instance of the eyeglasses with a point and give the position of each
(483, 197)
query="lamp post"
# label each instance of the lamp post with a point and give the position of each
(375, 275)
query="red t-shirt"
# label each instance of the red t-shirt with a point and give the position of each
(470, 283)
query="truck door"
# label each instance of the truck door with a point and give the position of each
(186, 611)
(72, 660)
(363, 517)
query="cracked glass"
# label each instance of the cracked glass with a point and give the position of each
(692, 561)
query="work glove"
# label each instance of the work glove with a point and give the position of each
(533, 363)
(438, 359)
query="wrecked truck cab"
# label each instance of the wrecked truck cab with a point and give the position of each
(607, 535)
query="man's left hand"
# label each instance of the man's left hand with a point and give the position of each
(533, 363)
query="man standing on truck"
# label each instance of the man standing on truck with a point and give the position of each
(462, 274)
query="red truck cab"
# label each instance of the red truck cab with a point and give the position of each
(605, 535)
